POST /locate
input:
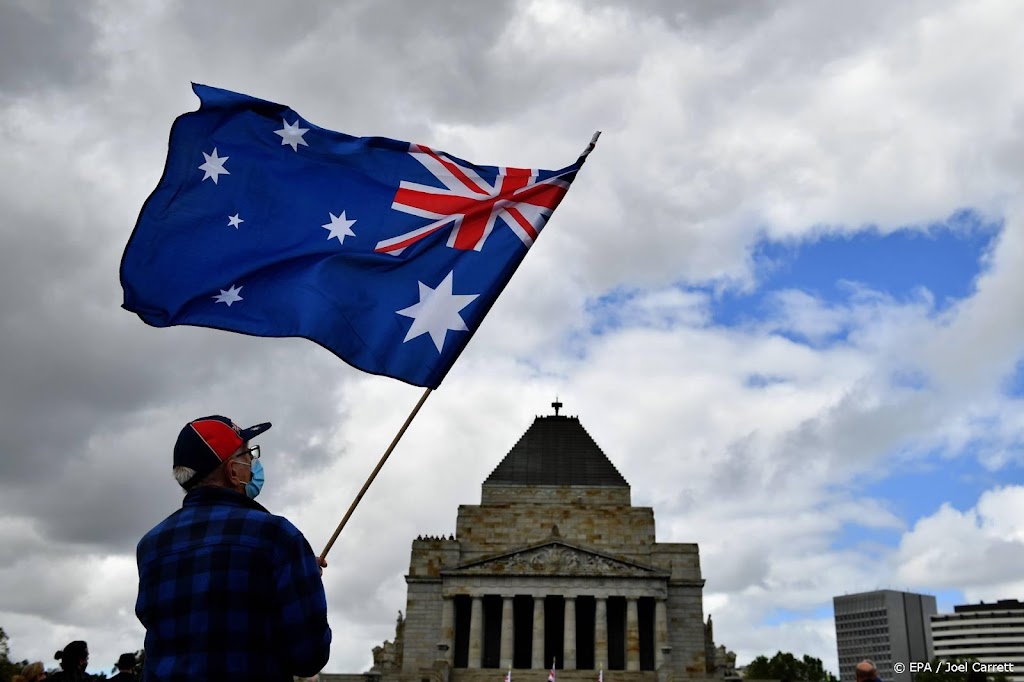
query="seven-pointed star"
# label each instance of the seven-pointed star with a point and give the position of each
(437, 312)
(230, 296)
(292, 134)
(234, 221)
(214, 166)
(339, 227)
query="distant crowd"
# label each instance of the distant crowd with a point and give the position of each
(74, 659)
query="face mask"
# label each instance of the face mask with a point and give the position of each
(255, 484)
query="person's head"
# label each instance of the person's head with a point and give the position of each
(126, 663)
(866, 671)
(33, 672)
(214, 451)
(74, 657)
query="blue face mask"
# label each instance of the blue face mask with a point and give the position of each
(255, 484)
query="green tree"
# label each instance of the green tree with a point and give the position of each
(786, 666)
(814, 671)
(7, 667)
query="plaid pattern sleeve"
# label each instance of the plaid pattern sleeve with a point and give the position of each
(300, 608)
(228, 591)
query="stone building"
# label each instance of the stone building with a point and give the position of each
(554, 567)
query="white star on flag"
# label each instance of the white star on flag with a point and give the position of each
(214, 166)
(437, 312)
(339, 227)
(292, 134)
(234, 221)
(230, 296)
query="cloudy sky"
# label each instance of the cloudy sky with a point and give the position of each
(784, 295)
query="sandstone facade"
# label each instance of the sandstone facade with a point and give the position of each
(554, 567)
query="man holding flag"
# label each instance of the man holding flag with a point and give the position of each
(227, 590)
(388, 254)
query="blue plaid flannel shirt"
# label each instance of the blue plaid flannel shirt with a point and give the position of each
(228, 591)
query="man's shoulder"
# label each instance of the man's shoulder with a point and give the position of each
(206, 513)
(157, 531)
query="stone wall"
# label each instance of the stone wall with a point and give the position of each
(487, 530)
(422, 624)
(682, 559)
(428, 557)
(686, 629)
(494, 493)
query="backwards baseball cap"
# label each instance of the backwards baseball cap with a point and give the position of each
(206, 443)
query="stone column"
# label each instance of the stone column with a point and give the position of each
(448, 629)
(660, 633)
(665, 672)
(601, 632)
(507, 633)
(569, 636)
(476, 633)
(632, 635)
(537, 658)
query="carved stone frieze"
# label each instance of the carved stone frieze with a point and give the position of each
(555, 559)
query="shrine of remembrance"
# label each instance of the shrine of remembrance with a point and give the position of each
(554, 567)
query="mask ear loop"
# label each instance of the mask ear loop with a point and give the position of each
(234, 460)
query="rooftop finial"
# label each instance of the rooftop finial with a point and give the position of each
(557, 405)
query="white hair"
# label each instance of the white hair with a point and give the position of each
(183, 475)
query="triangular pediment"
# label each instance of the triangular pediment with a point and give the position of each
(556, 558)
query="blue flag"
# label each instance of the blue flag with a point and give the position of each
(388, 254)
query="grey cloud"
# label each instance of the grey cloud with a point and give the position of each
(44, 44)
(434, 60)
(700, 15)
(680, 186)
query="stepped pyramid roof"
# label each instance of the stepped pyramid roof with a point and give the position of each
(556, 450)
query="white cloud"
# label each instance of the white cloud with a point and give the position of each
(721, 126)
(976, 550)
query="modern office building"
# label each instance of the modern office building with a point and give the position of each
(885, 627)
(988, 633)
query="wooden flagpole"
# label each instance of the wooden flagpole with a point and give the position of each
(423, 398)
(373, 475)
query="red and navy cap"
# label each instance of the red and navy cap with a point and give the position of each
(205, 443)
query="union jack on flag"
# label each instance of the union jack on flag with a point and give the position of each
(388, 254)
(471, 205)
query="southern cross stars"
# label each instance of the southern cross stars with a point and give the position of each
(230, 296)
(214, 166)
(339, 227)
(437, 312)
(234, 221)
(292, 134)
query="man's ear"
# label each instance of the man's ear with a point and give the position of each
(234, 480)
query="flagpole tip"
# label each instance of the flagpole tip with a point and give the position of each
(590, 147)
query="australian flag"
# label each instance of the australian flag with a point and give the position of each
(388, 254)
